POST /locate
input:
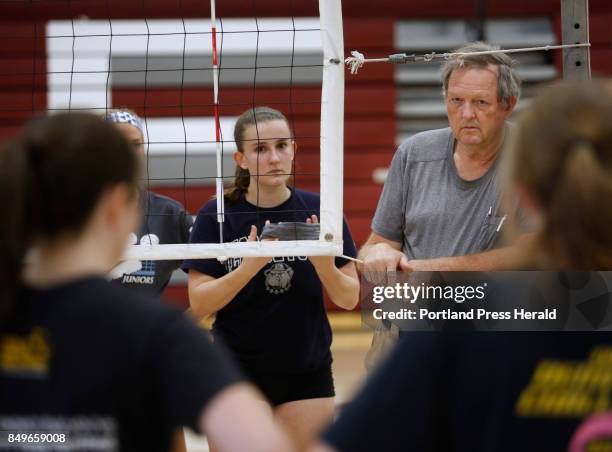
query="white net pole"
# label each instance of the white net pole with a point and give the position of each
(230, 250)
(332, 121)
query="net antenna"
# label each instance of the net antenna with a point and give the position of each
(331, 164)
(218, 144)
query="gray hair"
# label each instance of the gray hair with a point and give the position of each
(508, 82)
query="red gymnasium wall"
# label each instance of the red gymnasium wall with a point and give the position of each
(370, 98)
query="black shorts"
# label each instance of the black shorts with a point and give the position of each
(283, 388)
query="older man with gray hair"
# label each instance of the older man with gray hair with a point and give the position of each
(440, 207)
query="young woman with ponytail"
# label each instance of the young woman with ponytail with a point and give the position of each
(83, 363)
(270, 312)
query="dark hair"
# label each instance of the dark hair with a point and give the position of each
(252, 116)
(562, 156)
(508, 81)
(51, 178)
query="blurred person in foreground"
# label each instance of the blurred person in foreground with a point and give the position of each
(107, 368)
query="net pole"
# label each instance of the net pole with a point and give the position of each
(332, 122)
(575, 28)
(219, 153)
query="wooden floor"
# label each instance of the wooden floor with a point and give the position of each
(349, 347)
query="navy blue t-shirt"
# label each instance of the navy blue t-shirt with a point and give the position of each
(479, 392)
(165, 221)
(277, 322)
(107, 366)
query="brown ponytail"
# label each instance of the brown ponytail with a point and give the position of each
(576, 229)
(252, 116)
(242, 179)
(562, 156)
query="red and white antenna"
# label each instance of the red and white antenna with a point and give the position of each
(215, 70)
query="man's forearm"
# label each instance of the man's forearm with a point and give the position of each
(501, 259)
(377, 247)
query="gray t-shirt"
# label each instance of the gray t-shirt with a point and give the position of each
(430, 209)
